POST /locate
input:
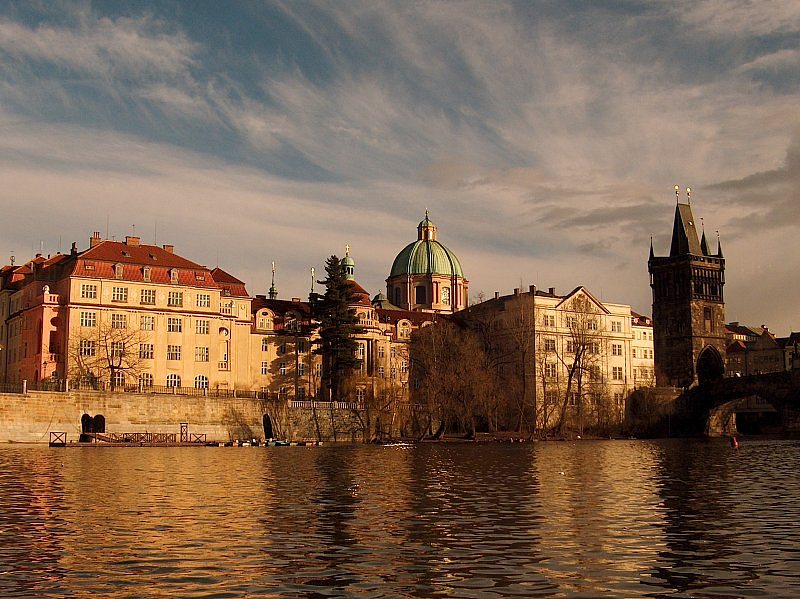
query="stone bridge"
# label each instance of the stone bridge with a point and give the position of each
(713, 404)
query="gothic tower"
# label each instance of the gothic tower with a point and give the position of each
(688, 305)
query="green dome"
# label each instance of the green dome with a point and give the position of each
(424, 257)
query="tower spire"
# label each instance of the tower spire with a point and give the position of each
(677, 194)
(273, 293)
(652, 254)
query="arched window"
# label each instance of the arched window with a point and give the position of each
(173, 380)
(118, 271)
(446, 296)
(146, 272)
(421, 296)
(173, 275)
(201, 382)
(145, 379)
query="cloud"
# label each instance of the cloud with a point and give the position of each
(100, 46)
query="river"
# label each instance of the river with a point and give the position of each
(668, 518)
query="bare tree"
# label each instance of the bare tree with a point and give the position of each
(581, 356)
(112, 351)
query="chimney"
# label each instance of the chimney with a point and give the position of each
(95, 239)
(74, 249)
(532, 289)
(169, 248)
(296, 300)
(516, 290)
(496, 294)
(551, 290)
(132, 241)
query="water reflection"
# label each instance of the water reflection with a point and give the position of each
(684, 519)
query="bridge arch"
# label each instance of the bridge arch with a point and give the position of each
(710, 366)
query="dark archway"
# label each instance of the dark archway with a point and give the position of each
(99, 423)
(268, 433)
(87, 424)
(710, 366)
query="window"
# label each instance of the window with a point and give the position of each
(119, 321)
(201, 382)
(175, 298)
(173, 352)
(550, 370)
(264, 367)
(708, 320)
(282, 348)
(616, 349)
(571, 322)
(147, 323)
(404, 367)
(301, 393)
(203, 300)
(591, 324)
(420, 295)
(616, 373)
(301, 369)
(119, 294)
(361, 394)
(146, 351)
(301, 346)
(145, 379)
(88, 319)
(201, 327)
(265, 322)
(117, 349)
(174, 324)
(618, 400)
(201, 354)
(381, 371)
(146, 272)
(173, 275)
(118, 380)
(173, 380)
(549, 320)
(360, 352)
(148, 297)
(616, 326)
(446, 296)
(89, 291)
(381, 351)
(549, 345)
(282, 368)
(88, 347)
(118, 271)
(283, 393)
(264, 344)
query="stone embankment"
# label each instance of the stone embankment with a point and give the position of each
(31, 417)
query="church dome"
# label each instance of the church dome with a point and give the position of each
(426, 255)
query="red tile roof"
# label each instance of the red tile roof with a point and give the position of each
(229, 284)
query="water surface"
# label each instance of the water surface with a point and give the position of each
(618, 518)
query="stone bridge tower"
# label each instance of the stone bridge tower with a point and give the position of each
(688, 305)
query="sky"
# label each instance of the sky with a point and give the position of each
(544, 138)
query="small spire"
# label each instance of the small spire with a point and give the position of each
(677, 194)
(703, 241)
(689, 194)
(719, 246)
(312, 280)
(347, 249)
(426, 214)
(652, 254)
(273, 293)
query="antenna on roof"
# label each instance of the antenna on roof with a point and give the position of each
(133, 226)
(273, 293)
(312, 279)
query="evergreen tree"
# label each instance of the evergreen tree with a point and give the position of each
(338, 325)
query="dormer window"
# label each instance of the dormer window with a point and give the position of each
(118, 270)
(146, 274)
(199, 276)
(173, 275)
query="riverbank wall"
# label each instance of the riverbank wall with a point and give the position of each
(31, 417)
